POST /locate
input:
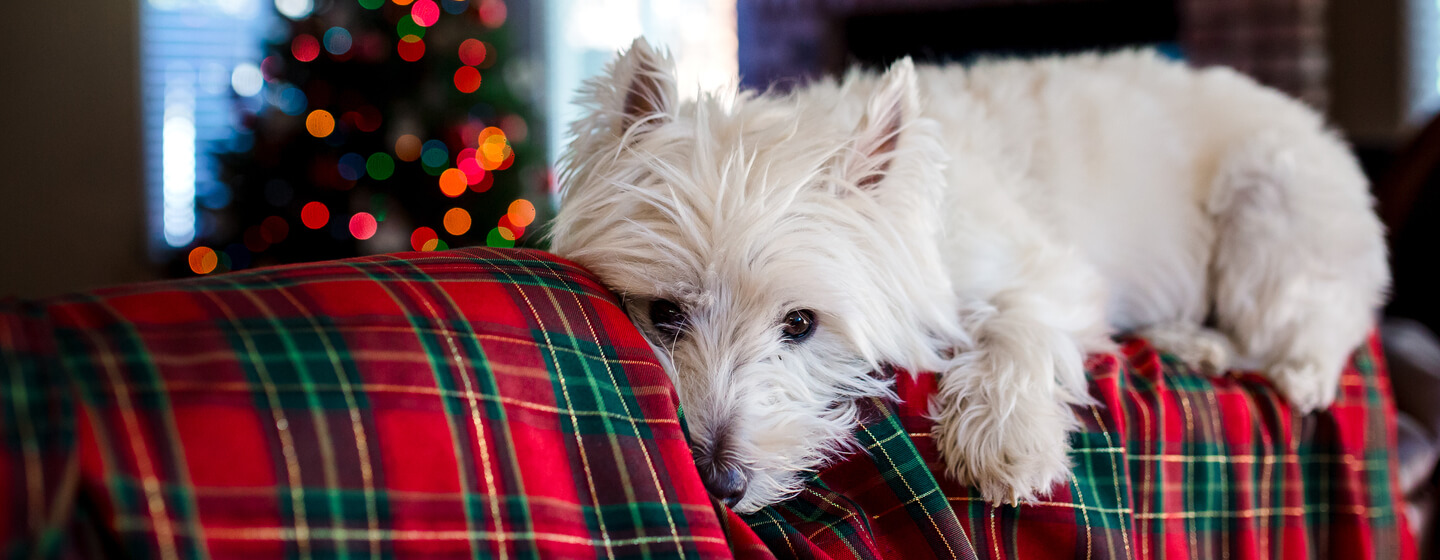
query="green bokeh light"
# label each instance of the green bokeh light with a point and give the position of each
(380, 165)
(407, 26)
(497, 240)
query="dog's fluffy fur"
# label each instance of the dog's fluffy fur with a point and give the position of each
(993, 223)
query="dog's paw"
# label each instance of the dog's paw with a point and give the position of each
(1010, 459)
(1308, 386)
(1206, 350)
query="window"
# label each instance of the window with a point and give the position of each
(198, 57)
(583, 35)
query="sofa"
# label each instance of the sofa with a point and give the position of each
(497, 403)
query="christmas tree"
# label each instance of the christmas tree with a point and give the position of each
(386, 125)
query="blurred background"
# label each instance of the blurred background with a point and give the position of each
(148, 139)
(168, 138)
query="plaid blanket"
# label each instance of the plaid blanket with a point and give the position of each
(497, 403)
(471, 404)
(1170, 464)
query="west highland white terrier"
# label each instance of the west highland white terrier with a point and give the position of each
(993, 223)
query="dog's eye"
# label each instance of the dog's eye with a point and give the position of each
(798, 324)
(667, 317)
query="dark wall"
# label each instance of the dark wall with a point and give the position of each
(71, 190)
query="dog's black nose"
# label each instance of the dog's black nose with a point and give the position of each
(725, 477)
(724, 481)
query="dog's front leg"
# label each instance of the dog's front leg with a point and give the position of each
(1003, 410)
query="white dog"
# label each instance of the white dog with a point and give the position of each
(992, 223)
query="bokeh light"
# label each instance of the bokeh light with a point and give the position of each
(338, 40)
(423, 237)
(370, 119)
(315, 215)
(305, 47)
(434, 154)
(521, 213)
(291, 101)
(472, 52)
(452, 182)
(497, 239)
(270, 68)
(408, 26)
(363, 226)
(379, 206)
(492, 13)
(352, 166)
(457, 221)
(489, 57)
(380, 166)
(486, 181)
(203, 260)
(246, 79)
(255, 239)
(295, 9)
(407, 147)
(455, 6)
(275, 229)
(403, 2)
(467, 79)
(410, 48)
(494, 149)
(515, 128)
(425, 12)
(320, 123)
(372, 4)
(515, 231)
(473, 173)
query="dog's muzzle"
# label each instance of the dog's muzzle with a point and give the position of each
(723, 476)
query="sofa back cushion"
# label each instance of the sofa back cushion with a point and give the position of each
(476, 403)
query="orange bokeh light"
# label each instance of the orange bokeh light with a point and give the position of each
(453, 183)
(320, 123)
(457, 221)
(521, 212)
(494, 149)
(203, 260)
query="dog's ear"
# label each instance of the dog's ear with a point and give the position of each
(643, 87)
(894, 103)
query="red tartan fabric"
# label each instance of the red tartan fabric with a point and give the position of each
(470, 404)
(1169, 464)
(492, 403)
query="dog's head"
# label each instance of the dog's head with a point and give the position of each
(775, 250)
